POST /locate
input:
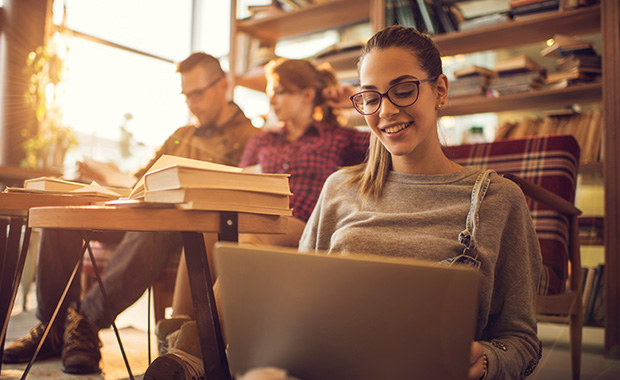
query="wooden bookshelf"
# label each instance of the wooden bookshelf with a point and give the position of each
(532, 29)
(587, 93)
(312, 18)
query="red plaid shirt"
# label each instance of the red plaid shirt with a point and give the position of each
(309, 160)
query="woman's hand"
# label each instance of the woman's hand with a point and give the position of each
(338, 96)
(477, 362)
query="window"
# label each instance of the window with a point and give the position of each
(120, 83)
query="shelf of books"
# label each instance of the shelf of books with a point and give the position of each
(311, 18)
(531, 29)
(583, 94)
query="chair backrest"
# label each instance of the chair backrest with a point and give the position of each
(550, 162)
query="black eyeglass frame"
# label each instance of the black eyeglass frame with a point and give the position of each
(385, 94)
(200, 92)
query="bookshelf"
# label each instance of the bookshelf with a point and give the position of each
(523, 31)
(315, 17)
(603, 18)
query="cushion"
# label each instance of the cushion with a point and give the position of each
(549, 161)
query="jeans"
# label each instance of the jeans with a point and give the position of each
(135, 264)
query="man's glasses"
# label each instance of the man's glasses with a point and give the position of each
(197, 94)
(401, 94)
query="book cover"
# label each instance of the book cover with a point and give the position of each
(179, 176)
(520, 62)
(52, 184)
(474, 70)
(482, 21)
(168, 160)
(563, 45)
(535, 7)
(215, 206)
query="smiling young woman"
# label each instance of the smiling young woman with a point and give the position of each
(409, 200)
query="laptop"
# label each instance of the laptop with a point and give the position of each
(348, 317)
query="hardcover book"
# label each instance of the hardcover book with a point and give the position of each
(180, 176)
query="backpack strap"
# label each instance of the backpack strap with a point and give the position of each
(467, 237)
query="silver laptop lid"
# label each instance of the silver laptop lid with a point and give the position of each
(324, 317)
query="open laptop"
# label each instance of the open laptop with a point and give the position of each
(360, 318)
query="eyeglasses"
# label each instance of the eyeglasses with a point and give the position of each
(197, 94)
(401, 94)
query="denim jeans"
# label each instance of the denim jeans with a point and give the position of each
(135, 264)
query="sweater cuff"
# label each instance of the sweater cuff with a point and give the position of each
(492, 360)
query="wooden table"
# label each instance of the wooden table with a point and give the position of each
(13, 214)
(191, 223)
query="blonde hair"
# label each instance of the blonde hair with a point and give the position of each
(299, 74)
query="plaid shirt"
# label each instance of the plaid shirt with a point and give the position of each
(309, 160)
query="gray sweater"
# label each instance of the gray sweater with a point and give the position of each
(421, 216)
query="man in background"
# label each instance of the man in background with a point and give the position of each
(140, 256)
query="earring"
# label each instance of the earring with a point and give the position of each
(439, 105)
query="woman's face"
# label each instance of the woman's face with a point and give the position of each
(286, 103)
(408, 133)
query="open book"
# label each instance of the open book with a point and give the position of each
(51, 185)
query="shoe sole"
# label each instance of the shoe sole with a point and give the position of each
(80, 370)
(165, 368)
(18, 360)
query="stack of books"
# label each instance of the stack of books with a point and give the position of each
(577, 62)
(515, 75)
(586, 127)
(218, 188)
(470, 81)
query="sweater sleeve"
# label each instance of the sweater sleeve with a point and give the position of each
(510, 334)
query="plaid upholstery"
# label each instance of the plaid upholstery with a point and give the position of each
(550, 162)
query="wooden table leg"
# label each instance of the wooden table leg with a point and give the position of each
(205, 310)
(11, 272)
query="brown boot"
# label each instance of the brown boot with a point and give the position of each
(23, 350)
(81, 350)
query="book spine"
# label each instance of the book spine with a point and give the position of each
(442, 16)
(428, 22)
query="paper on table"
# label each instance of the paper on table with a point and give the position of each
(96, 189)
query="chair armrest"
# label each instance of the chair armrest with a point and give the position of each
(544, 196)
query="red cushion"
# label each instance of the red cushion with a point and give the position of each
(548, 161)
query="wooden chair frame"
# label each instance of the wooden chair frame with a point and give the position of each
(557, 308)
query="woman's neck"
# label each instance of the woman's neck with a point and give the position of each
(429, 161)
(297, 127)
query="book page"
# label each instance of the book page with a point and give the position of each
(96, 189)
(109, 173)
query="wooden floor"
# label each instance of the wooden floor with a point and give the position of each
(555, 364)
